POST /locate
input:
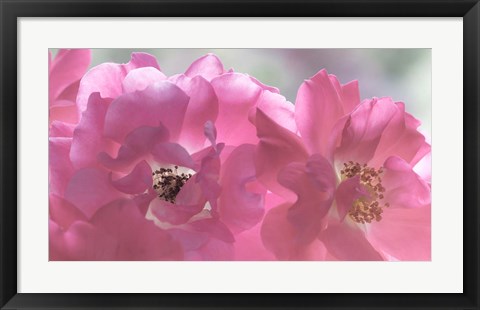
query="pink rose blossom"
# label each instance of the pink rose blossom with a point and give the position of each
(212, 164)
(347, 178)
(160, 168)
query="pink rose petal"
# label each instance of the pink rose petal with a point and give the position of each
(60, 167)
(162, 102)
(236, 94)
(277, 148)
(139, 180)
(364, 129)
(107, 78)
(167, 153)
(87, 142)
(403, 233)
(404, 188)
(139, 142)
(141, 78)
(314, 189)
(318, 106)
(89, 189)
(208, 67)
(348, 243)
(280, 237)
(400, 138)
(61, 129)
(138, 238)
(63, 213)
(67, 68)
(240, 208)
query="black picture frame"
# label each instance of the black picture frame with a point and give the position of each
(10, 10)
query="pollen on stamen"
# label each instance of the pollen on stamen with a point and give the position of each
(167, 182)
(366, 210)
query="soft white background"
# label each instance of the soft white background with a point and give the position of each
(442, 274)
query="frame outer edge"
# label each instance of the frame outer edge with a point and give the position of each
(471, 116)
(8, 157)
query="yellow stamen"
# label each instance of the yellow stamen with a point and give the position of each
(366, 209)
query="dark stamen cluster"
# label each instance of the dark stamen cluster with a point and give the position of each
(365, 210)
(167, 183)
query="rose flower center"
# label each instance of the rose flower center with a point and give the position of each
(366, 209)
(167, 182)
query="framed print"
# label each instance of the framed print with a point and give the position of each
(270, 154)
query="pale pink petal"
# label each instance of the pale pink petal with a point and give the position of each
(61, 129)
(363, 130)
(249, 246)
(314, 185)
(60, 103)
(208, 66)
(237, 95)
(277, 148)
(62, 212)
(141, 78)
(56, 248)
(335, 140)
(175, 214)
(67, 68)
(138, 143)
(263, 86)
(347, 192)
(172, 154)
(202, 108)
(350, 95)
(281, 238)
(139, 180)
(278, 234)
(107, 78)
(215, 228)
(348, 243)
(63, 113)
(403, 187)
(138, 238)
(89, 189)
(278, 109)
(400, 138)
(60, 168)
(318, 106)
(424, 150)
(272, 200)
(210, 131)
(143, 200)
(124, 161)
(162, 102)
(213, 250)
(321, 173)
(117, 232)
(88, 140)
(81, 242)
(190, 240)
(207, 176)
(424, 168)
(239, 207)
(314, 251)
(68, 97)
(403, 233)
(191, 193)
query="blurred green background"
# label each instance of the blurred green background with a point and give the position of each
(403, 74)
